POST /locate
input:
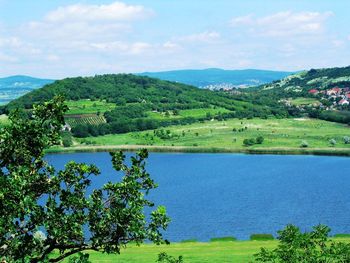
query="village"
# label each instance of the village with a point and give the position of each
(338, 96)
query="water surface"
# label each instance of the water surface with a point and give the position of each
(215, 195)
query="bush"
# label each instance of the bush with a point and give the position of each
(346, 139)
(249, 142)
(333, 142)
(261, 237)
(165, 258)
(67, 139)
(310, 247)
(222, 239)
(259, 140)
(304, 144)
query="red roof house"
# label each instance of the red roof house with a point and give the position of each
(313, 91)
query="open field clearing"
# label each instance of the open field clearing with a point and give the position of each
(229, 135)
(89, 107)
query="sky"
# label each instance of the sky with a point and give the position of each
(65, 38)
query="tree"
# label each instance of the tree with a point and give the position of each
(259, 140)
(310, 247)
(43, 210)
(67, 140)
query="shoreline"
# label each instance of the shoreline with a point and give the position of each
(191, 149)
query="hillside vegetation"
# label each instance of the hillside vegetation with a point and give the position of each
(123, 103)
(317, 93)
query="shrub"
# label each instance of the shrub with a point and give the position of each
(261, 237)
(346, 139)
(249, 142)
(165, 258)
(304, 144)
(259, 140)
(333, 142)
(310, 247)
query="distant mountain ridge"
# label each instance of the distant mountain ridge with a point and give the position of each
(215, 78)
(15, 86)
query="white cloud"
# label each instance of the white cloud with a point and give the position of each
(284, 24)
(116, 11)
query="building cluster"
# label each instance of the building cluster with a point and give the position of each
(339, 96)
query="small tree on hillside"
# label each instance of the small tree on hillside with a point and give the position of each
(43, 210)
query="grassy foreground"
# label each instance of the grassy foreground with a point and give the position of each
(281, 136)
(210, 252)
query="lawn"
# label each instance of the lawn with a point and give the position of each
(210, 252)
(304, 101)
(89, 107)
(229, 135)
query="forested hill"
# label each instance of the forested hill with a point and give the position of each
(123, 103)
(318, 93)
(125, 89)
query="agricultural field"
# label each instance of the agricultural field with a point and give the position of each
(230, 134)
(192, 252)
(194, 113)
(91, 119)
(304, 101)
(89, 107)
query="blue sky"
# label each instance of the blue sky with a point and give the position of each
(56, 39)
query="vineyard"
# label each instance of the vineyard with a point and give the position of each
(92, 119)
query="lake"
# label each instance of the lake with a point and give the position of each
(216, 195)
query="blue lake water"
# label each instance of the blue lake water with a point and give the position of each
(215, 195)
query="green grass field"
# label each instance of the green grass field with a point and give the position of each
(229, 135)
(210, 252)
(194, 113)
(89, 107)
(304, 101)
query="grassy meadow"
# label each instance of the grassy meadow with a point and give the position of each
(279, 134)
(193, 252)
(304, 101)
(89, 107)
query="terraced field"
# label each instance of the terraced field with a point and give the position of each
(92, 119)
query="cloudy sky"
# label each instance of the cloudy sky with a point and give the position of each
(61, 38)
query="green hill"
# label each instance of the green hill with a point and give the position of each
(122, 103)
(317, 93)
(313, 79)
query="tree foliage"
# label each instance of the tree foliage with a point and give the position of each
(43, 210)
(310, 247)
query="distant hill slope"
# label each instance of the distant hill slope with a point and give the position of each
(124, 102)
(211, 78)
(313, 79)
(16, 86)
